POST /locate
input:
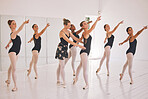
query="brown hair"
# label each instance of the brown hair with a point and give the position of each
(10, 21)
(71, 26)
(105, 27)
(65, 21)
(81, 24)
(128, 29)
(33, 25)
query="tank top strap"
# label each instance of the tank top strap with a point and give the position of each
(11, 33)
(130, 38)
(69, 33)
(83, 36)
(34, 36)
(66, 34)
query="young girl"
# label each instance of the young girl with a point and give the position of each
(61, 52)
(73, 49)
(85, 53)
(14, 50)
(131, 51)
(108, 46)
(36, 49)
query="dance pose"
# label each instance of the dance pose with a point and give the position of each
(36, 49)
(14, 50)
(85, 53)
(61, 52)
(131, 51)
(108, 46)
(73, 49)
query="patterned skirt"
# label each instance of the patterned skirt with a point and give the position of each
(61, 52)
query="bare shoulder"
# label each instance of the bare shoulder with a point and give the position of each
(61, 33)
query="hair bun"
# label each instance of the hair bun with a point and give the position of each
(64, 19)
(10, 21)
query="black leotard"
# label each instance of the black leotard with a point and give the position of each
(110, 41)
(16, 45)
(87, 45)
(37, 43)
(74, 40)
(63, 41)
(132, 47)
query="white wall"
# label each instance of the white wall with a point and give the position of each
(53, 38)
(135, 14)
(0, 48)
(55, 9)
(49, 41)
(73, 9)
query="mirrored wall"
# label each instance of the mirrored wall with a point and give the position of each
(49, 41)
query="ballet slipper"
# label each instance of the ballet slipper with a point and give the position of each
(121, 76)
(63, 85)
(74, 74)
(58, 82)
(131, 82)
(36, 77)
(75, 80)
(98, 70)
(7, 82)
(107, 74)
(29, 71)
(14, 89)
(86, 87)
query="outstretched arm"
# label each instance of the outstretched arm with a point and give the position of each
(89, 22)
(124, 41)
(116, 28)
(139, 32)
(94, 25)
(79, 31)
(19, 29)
(30, 40)
(8, 44)
(44, 29)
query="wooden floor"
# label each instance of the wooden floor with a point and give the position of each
(101, 86)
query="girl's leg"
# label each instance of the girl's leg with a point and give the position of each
(30, 66)
(35, 60)
(58, 74)
(73, 54)
(78, 72)
(124, 68)
(9, 76)
(84, 58)
(62, 66)
(13, 59)
(130, 64)
(69, 55)
(107, 50)
(101, 62)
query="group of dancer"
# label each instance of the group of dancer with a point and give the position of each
(62, 49)
(15, 49)
(63, 55)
